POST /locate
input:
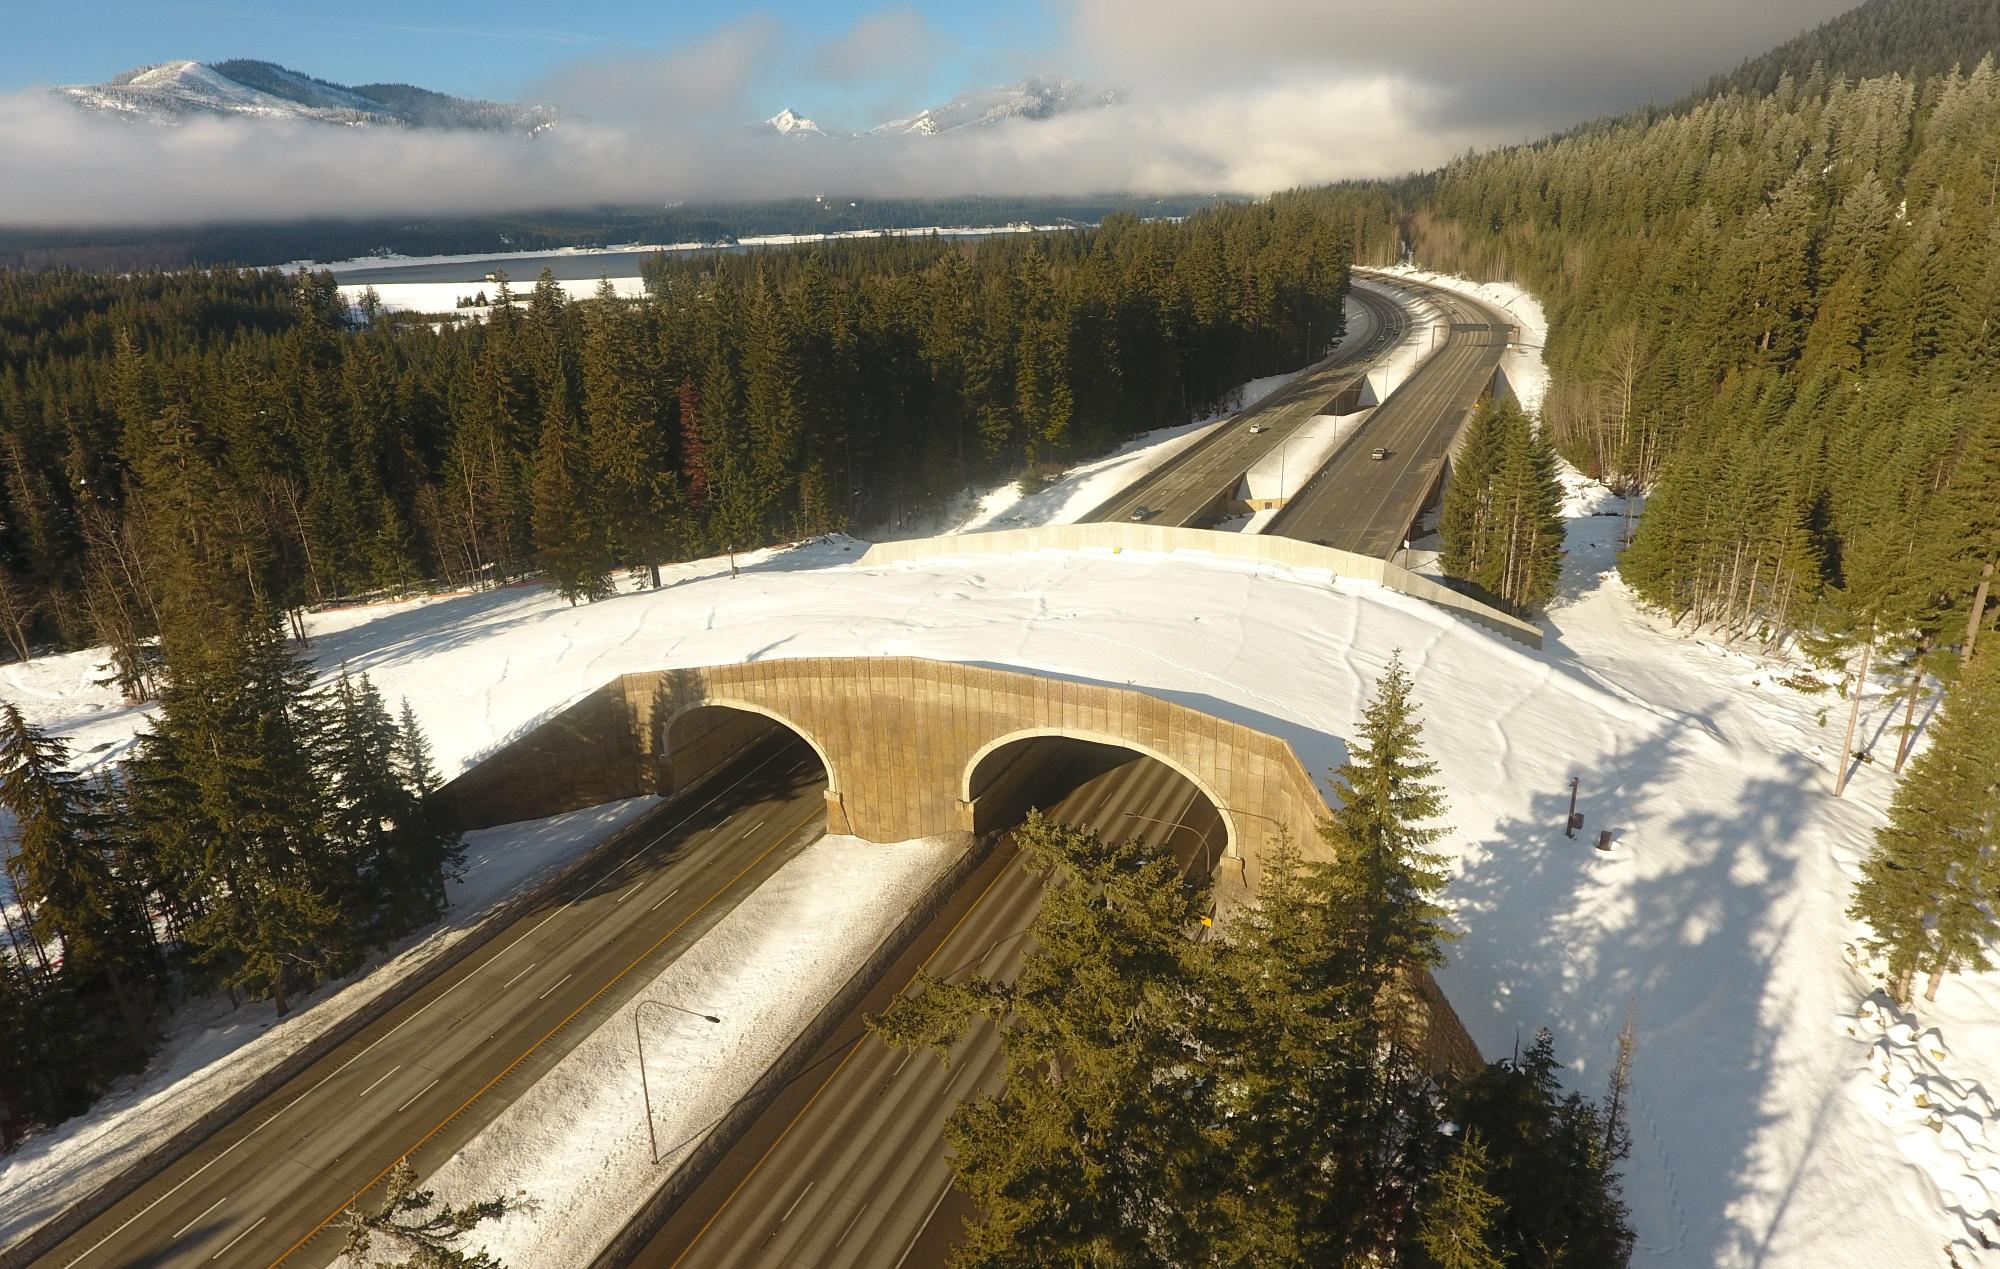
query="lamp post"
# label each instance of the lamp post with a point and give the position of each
(1207, 922)
(1177, 825)
(639, 1039)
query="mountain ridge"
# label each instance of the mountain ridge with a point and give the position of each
(1036, 98)
(174, 91)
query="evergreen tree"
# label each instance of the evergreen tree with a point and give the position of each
(414, 1221)
(1098, 1149)
(1452, 1227)
(567, 536)
(76, 889)
(226, 797)
(1502, 519)
(1931, 884)
(1548, 1165)
(1381, 885)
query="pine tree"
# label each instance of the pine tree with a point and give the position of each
(1453, 1222)
(1931, 884)
(1547, 1165)
(418, 1224)
(1382, 883)
(568, 537)
(77, 889)
(1096, 1151)
(1502, 520)
(227, 799)
(427, 848)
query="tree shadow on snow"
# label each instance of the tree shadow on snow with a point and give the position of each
(1673, 919)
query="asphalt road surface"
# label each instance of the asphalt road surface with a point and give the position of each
(425, 1078)
(1187, 489)
(849, 1167)
(1363, 504)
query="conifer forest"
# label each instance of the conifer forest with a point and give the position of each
(1773, 336)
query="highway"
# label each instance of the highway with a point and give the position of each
(1366, 505)
(425, 1078)
(1187, 490)
(848, 1167)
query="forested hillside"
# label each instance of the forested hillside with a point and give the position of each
(1778, 314)
(749, 398)
(1881, 37)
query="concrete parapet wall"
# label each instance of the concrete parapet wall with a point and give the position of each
(1164, 540)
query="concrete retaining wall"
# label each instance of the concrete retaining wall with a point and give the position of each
(1162, 540)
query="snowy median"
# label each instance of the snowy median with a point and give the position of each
(576, 1141)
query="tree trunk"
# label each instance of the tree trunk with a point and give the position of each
(1853, 718)
(1972, 621)
(1908, 740)
(1937, 977)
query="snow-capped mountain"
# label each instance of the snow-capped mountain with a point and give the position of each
(1038, 97)
(1035, 98)
(171, 92)
(789, 124)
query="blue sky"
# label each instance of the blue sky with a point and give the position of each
(501, 48)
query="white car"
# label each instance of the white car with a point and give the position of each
(1379, 454)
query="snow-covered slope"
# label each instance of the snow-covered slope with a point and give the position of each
(1037, 97)
(787, 123)
(171, 92)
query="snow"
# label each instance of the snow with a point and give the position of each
(1086, 486)
(211, 1050)
(1765, 1133)
(1285, 470)
(787, 123)
(1521, 365)
(576, 1142)
(445, 297)
(1080, 489)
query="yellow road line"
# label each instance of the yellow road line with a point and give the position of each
(531, 1049)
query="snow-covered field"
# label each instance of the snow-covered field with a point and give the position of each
(1776, 1122)
(212, 1050)
(576, 1142)
(446, 297)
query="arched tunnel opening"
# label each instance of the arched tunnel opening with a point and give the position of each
(1115, 791)
(717, 759)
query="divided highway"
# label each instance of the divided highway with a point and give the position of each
(425, 1078)
(848, 1167)
(1366, 505)
(1185, 490)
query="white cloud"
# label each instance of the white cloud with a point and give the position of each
(1244, 98)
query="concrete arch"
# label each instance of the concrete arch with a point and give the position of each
(1231, 848)
(666, 750)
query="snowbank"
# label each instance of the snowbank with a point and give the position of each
(212, 1051)
(1521, 365)
(1087, 486)
(1285, 470)
(577, 1142)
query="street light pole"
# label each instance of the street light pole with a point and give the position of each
(639, 1039)
(1206, 854)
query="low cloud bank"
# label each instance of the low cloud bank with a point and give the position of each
(71, 168)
